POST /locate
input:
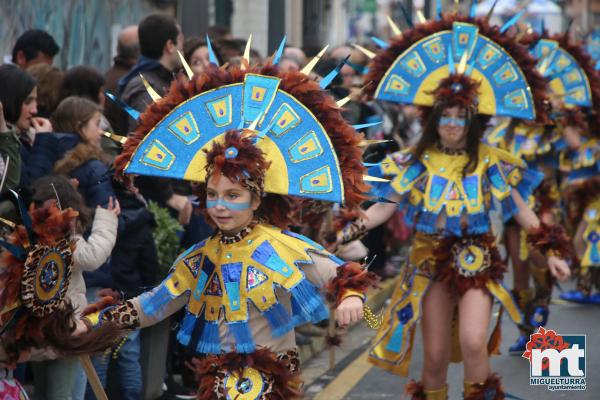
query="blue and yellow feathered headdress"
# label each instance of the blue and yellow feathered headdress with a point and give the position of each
(410, 68)
(313, 153)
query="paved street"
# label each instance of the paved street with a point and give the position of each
(357, 380)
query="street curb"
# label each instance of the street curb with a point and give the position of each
(375, 299)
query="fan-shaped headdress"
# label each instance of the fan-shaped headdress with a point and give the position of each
(309, 150)
(459, 60)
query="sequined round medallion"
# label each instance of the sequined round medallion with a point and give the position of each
(249, 387)
(469, 258)
(46, 276)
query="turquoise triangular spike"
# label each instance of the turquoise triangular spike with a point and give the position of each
(358, 68)
(279, 52)
(327, 79)
(25, 217)
(451, 68)
(407, 16)
(362, 126)
(369, 164)
(470, 69)
(512, 21)
(473, 9)
(128, 109)
(211, 54)
(543, 26)
(382, 44)
(16, 251)
(438, 10)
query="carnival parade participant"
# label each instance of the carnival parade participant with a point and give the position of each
(265, 138)
(462, 70)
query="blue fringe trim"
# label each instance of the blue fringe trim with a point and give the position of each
(186, 329)
(306, 301)
(427, 222)
(154, 302)
(320, 314)
(279, 319)
(243, 337)
(509, 208)
(453, 225)
(410, 212)
(210, 342)
(478, 223)
(530, 180)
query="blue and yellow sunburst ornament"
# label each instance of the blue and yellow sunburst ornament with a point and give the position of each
(304, 160)
(417, 71)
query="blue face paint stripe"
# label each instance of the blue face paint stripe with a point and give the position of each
(229, 205)
(455, 121)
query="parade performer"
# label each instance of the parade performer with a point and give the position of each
(253, 138)
(35, 280)
(579, 163)
(462, 70)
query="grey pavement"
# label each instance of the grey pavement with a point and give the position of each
(564, 319)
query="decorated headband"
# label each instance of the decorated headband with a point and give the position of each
(415, 64)
(311, 151)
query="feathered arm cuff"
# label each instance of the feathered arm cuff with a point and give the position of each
(551, 240)
(351, 280)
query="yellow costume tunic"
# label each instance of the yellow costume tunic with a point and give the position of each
(591, 236)
(243, 295)
(443, 202)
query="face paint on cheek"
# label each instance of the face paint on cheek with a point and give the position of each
(444, 121)
(229, 205)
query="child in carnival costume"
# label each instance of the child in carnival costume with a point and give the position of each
(462, 70)
(253, 138)
(539, 144)
(579, 164)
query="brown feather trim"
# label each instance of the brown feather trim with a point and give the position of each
(457, 90)
(491, 389)
(350, 276)
(447, 273)
(343, 137)
(415, 390)
(574, 117)
(546, 201)
(579, 196)
(79, 155)
(549, 239)
(386, 57)
(210, 370)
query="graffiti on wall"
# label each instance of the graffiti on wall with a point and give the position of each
(85, 30)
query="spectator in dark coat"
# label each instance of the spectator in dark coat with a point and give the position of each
(160, 38)
(128, 52)
(33, 47)
(78, 121)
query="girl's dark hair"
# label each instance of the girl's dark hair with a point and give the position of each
(43, 189)
(474, 126)
(15, 86)
(191, 45)
(82, 81)
(72, 114)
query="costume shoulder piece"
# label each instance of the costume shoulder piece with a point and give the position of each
(226, 280)
(436, 184)
(313, 153)
(409, 69)
(583, 163)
